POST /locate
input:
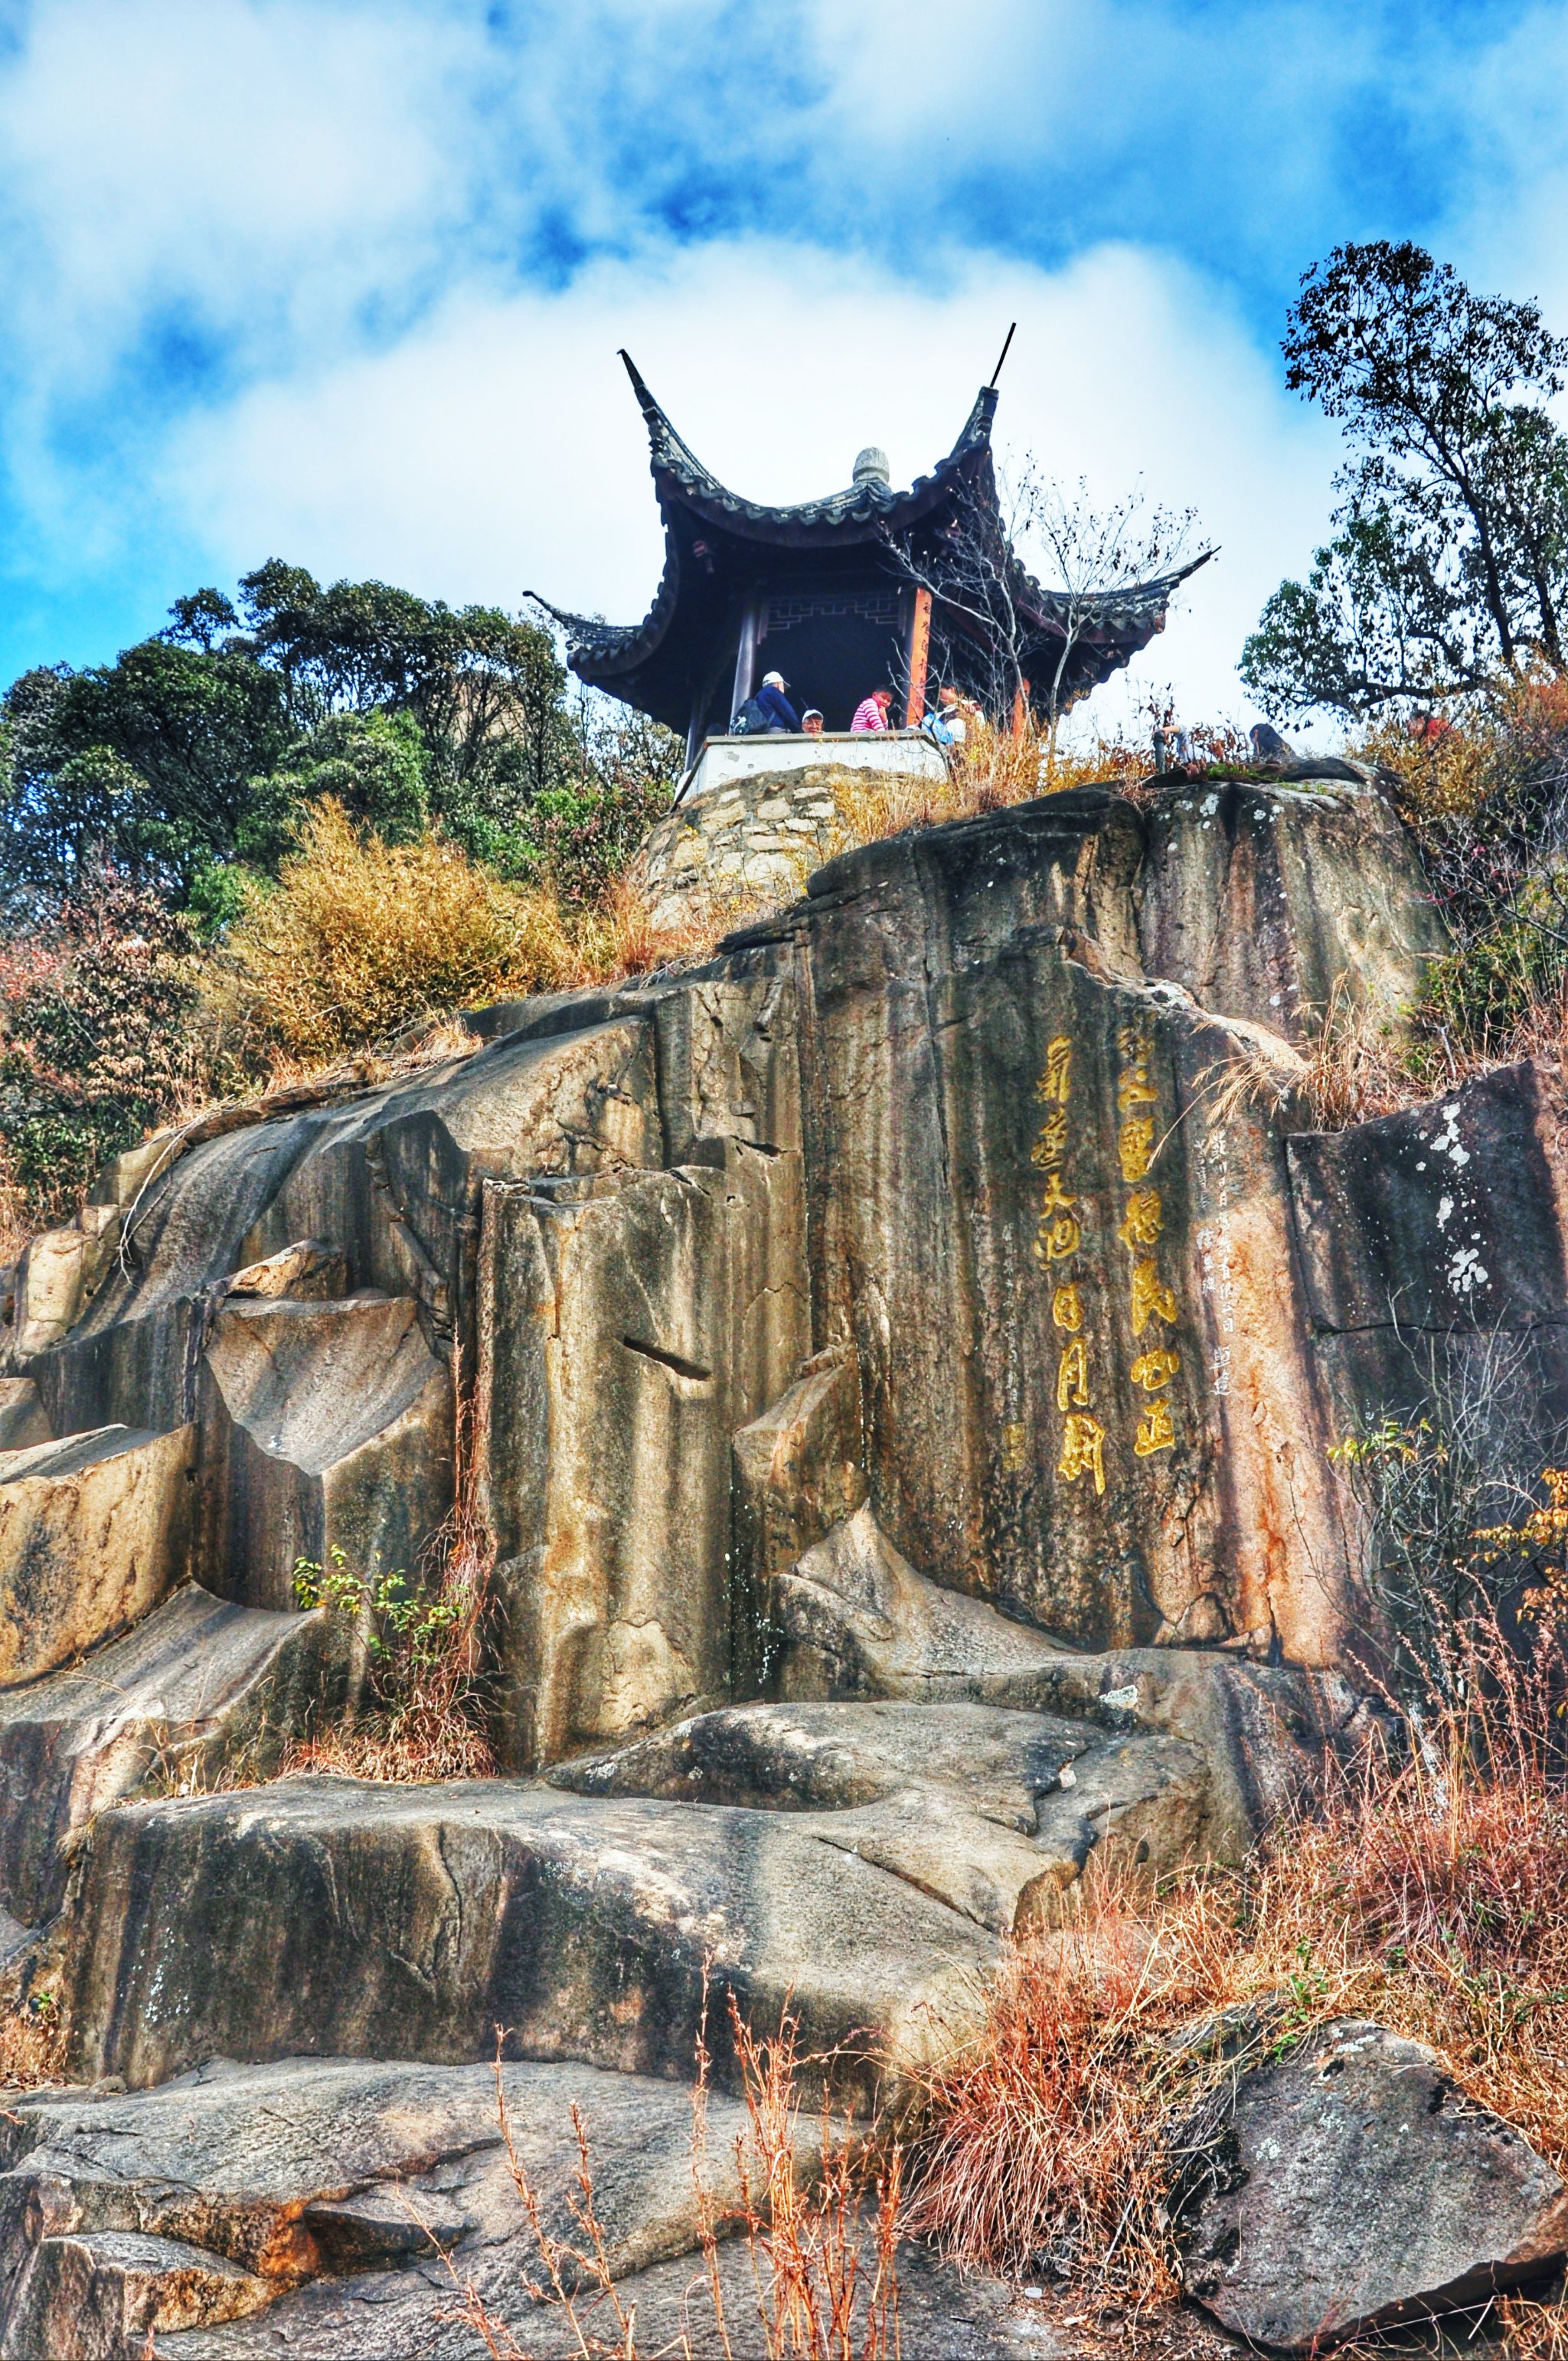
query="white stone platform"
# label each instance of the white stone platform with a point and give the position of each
(723, 761)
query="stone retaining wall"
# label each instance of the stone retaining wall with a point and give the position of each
(758, 838)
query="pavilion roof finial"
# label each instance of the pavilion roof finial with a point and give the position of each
(665, 447)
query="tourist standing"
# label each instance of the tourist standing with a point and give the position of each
(872, 712)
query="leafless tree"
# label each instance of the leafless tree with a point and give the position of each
(981, 577)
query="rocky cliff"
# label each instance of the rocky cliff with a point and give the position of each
(900, 1359)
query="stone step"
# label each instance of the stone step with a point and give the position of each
(290, 2201)
(94, 1531)
(198, 1683)
(375, 1921)
(993, 1813)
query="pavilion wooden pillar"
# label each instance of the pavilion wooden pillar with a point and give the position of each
(919, 659)
(745, 655)
(1020, 709)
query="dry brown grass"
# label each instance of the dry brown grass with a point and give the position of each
(359, 938)
(1358, 1063)
(619, 938)
(819, 2218)
(1533, 2329)
(32, 2043)
(992, 770)
(1431, 1893)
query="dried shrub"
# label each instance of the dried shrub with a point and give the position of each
(1428, 1889)
(1534, 2330)
(620, 935)
(991, 770)
(1037, 2152)
(819, 2218)
(1357, 1063)
(32, 2042)
(360, 938)
(423, 1641)
(1483, 786)
(94, 1003)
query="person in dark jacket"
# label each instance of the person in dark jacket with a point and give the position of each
(781, 714)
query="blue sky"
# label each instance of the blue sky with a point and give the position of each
(344, 282)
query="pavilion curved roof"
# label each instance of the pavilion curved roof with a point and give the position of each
(630, 659)
(864, 512)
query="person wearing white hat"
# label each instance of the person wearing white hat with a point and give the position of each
(780, 713)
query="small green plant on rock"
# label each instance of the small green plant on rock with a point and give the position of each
(406, 1628)
(420, 1645)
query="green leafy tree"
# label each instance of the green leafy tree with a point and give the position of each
(191, 762)
(586, 829)
(486, 691)
(142, 766)
(375, 764)
(1447, 572)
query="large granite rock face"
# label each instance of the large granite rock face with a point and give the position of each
(1263, 900)
(944, 1144)
(1431, 1250)
(628, 1328)
(328, 1426)
(859, 1622)
(1088, 1386)
(1355, 2189)
(900, 1359)
(197, 1685)
(314, 2194)
(412, 1922)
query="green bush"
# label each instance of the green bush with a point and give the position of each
(372, 765)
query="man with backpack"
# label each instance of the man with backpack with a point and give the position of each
(770, 709)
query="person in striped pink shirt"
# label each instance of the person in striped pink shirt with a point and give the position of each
(872, 712)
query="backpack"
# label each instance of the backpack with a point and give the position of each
(751, 721)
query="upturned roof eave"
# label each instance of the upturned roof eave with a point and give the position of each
(862, 512)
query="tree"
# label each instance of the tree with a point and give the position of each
(374, 765)
(1089, 558)
(1448, 569)
(197, 755)
(95, 1000)
(143, 766)
(487, 691)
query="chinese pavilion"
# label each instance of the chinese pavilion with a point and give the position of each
(865, 587)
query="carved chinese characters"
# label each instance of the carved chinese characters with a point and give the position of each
(1152, 1305)
(1058, 1239)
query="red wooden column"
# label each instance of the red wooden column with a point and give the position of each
(919, 657)
(1020, 709)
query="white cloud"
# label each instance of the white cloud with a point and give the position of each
(252, 170)
(498, 449)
